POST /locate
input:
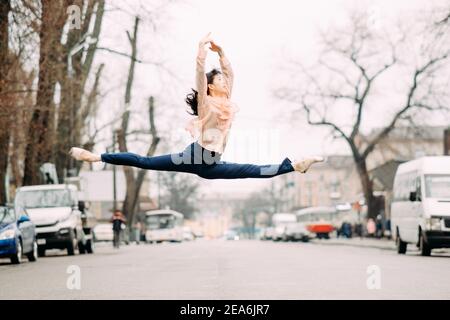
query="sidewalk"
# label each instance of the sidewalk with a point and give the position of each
(384, 244)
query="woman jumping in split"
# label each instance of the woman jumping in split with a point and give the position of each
(215, 112)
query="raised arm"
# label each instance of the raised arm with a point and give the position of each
(200, 75)
(225, 65)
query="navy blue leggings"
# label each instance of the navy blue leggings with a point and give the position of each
(197, 160)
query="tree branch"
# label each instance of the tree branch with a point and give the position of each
(408, 104)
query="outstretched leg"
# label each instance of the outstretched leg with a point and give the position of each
(199, 161)
(166, 162)
(231, 170)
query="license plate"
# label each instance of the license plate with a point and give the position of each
(41, 241)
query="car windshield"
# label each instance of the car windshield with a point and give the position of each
(160, 222)
(6, 215)
(44, 198)
(322, 216)
(437, 186)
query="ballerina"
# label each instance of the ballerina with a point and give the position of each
(214, 113)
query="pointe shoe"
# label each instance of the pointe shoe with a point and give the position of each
(83, 155)
(303, 165)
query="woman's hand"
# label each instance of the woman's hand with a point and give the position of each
(216, 48)
(205, 40)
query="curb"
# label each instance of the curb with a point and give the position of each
(352, 243)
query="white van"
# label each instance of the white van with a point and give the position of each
(420, 210)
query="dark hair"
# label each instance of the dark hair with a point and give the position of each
(192, 98)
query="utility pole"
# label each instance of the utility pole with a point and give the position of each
(114, 175)
(447, 141)
(159, 190)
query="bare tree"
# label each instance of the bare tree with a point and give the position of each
(134, 183)
(180, 193)
(17, 94)
(78, 54)
(5, 7)
(41, 137)
(246, 211)
(344, 79)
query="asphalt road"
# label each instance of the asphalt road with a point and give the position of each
(220, 269)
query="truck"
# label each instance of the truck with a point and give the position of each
(62, 220)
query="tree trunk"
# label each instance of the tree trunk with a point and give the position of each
(127, 207)
(70, 117)
(142, 172)
(5, 103)
(39, 144)
(367, 187)
(133, 183)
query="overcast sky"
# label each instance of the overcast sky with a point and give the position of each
(256, 35)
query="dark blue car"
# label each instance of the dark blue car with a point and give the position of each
(17, 236)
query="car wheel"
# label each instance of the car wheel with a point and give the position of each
(33, 255)
(17, 258)
(41, 252)
(424, 247)
(81, 248)
(401, 245)
(72, 244)
(90, 246)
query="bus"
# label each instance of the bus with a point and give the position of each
(163, 225)
(320, 221)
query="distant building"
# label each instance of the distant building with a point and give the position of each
(216, 213)
(406, 143)
(335, 181)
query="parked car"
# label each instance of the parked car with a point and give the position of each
(267, 233)
(280, 222)
(55, 211)
(231, 235)
(17, 236)
(188, 235)
(198, 234)
(103, 232)
(296, 232)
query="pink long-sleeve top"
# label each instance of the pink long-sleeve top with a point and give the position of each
(215, 114)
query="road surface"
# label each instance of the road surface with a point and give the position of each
(220, 269)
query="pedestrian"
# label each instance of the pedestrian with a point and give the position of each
(371, 227)
(214, 112)
(388, 229)
(379, 227)
(49, 179)
(118, 224)
(137, 232)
